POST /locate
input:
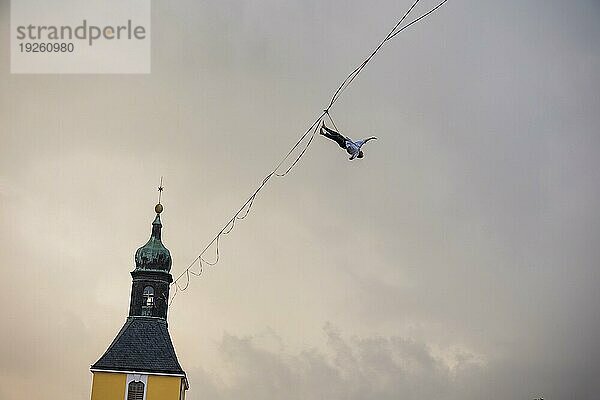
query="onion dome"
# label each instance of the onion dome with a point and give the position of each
(154, 256)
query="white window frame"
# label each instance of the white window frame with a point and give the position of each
(136, 378)
(148, 301)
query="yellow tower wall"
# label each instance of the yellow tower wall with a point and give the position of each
(163, 387)
(108, 386)
(111, 386)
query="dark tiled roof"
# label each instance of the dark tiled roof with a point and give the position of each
(142, 345)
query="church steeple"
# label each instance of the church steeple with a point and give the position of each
(151, 277)
(141, 362)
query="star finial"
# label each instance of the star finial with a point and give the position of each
(159, 206)
(160, 189)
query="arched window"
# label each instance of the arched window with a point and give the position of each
(135, 391)
(148, 301)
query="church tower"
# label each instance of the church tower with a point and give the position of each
(140, 363)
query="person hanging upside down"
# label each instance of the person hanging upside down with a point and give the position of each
(352, 147)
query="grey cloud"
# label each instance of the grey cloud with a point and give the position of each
(374, 367)
(358, 368)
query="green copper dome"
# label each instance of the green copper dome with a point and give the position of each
(153, 255)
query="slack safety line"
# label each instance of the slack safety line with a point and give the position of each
(199, 262)
(196, 267)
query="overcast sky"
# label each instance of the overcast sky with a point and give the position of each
(458, 260)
